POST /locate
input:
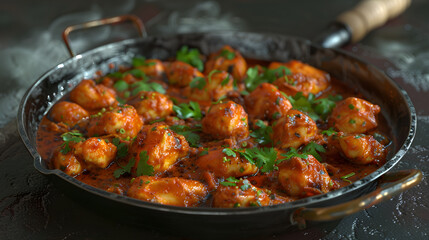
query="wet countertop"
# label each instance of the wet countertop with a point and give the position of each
(32, 207)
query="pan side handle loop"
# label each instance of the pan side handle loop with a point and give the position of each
(390, 185)
(138, 24)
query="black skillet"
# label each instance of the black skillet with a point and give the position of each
(210, 222)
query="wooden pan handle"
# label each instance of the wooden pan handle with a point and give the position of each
(370, 14)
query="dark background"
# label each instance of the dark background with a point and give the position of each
(31, 207)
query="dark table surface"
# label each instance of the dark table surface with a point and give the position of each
(32, 207)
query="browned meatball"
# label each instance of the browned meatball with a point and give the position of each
(226, 120)
(354, 115)
(68, 113)
(170, 191)
(212, 87)
(121, 121)
(304, 78)
(267, 103)
(152, 105)
(152, 68)
(163, 147)
(244, 194)
(91, 96)
(181, 74)
(226, 166)
(362, 149)
(304, 177)
(293, 130)
(229, 60)
(67, 163)
(95, 152)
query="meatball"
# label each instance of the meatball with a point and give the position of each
(163, 147)
(121, 121)
(267, 103)
(244, 194)
(227, 59)
(181, 74)
(170, 191)
(68, 113)
(226, 120)
(304, 78)
(212, 88)
(304, 177)
(354, 115)
(293, 130)
(95, 152)
(221, 165)
(152, 68)
(91, 96)
(152, 105)
(362, 149)
(68, 163)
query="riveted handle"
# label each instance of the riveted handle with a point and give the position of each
(106, 21)
(390, 185)
(370, 14)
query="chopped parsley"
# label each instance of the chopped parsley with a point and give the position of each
(143, 168)
(313, 148)
(254, 78)
(141, 61)
(189, 133)
(190, 56)
(126, 169)
(68, 137)
(229, 152)
(230, 182)
(227, 54)
(263, 158)
(329, 132)
(315, 108)
(191, 110)
(345, 177)
(198, 82)
(262, 134)
(122, 149)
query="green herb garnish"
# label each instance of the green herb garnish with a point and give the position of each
(143, 168)
(68, 137)
(126, 169)
(189, 133)
(191, 110)
(190, 56)
(262, 134)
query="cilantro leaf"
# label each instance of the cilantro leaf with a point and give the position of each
(190, 56)
(313, 148)
(143, 168)
(198, 82)
(329, 132)
(262, 134)
(141, 61)
(126, 169)
(122, 148)
(189, 133)
(292, 153)
(144, 85)
(68, 137)
(254, 78)
(263, 158)
(230, 182)
(227, 54)
(120, 85)
(315, 108)
(191, 110)
(229, 152)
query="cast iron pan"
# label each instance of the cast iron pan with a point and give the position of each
(232, 223)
